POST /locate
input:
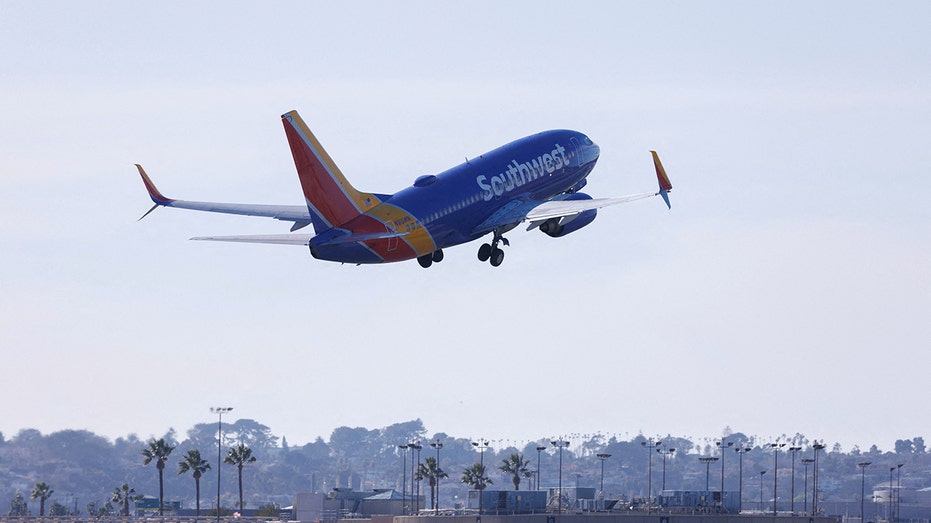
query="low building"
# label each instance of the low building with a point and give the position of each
(700, 500)
(507, 501)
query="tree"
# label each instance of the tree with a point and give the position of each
(430, 471)
(42, 492)
(158, 451)
(194, 463)
(475, 477)
(57, 509)
(122, 495)
(516, 467)
(18, 506)
(239, 456)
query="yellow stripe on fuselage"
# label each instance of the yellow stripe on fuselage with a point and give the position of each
(399, 220)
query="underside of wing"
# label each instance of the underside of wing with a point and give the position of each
(560, 208)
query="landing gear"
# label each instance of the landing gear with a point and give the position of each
(490, 252)
(427, 260)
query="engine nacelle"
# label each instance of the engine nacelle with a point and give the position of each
(557, 227)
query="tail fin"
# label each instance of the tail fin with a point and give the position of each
(331, 199)
(664, 184)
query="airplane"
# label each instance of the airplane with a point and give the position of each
(535, 179)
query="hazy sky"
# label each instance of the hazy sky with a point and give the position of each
(787, 291)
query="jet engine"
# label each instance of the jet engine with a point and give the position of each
(557, 227)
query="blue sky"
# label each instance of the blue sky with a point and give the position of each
(787, 291)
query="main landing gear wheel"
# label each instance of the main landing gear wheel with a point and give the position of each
(427, 260)
(484, 252)
(490, 252)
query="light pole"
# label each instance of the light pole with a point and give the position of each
(898, 489)
(862, 465)
(415, 503)
(540, 449)
(650, 444)
(793, 449)
(481, 445)
(560, 444)
(806, 461)
(404, 478)
(776, 447)
(723, 445)
(603, 457)
(665, 452)
(890, 514)
(741, 450)
(762, 473)
(814, 482)
(437, 445)
(219, 411)
(707, 460)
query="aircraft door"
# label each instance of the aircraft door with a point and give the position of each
(392, 241)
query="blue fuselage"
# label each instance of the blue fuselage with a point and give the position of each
(491, 192)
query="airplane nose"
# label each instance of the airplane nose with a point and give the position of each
(590, 150)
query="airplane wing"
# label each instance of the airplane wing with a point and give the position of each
(559, 208)
(289, 213)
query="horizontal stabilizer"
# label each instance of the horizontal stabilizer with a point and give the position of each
(300, 239)
(272, 239)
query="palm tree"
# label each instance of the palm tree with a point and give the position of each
(516, 467)
(239, 456)
(158, 451)
(429, 470)
(475, 477)
(42, 492)
(193, 462)
(122, 495)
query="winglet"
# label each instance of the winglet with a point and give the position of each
(154, 193)
(664, 184)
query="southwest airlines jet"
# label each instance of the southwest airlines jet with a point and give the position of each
(535, 180)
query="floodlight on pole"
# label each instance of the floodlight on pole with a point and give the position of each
(560, 444)
(723, 445)
(707, 460)
(437, 445)
(793, 449)
(603, 457)
(741, 450)
(219, 411)
(863, 465)
(540, 449)
(806, 461)
(665, 452)
(650, 444)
